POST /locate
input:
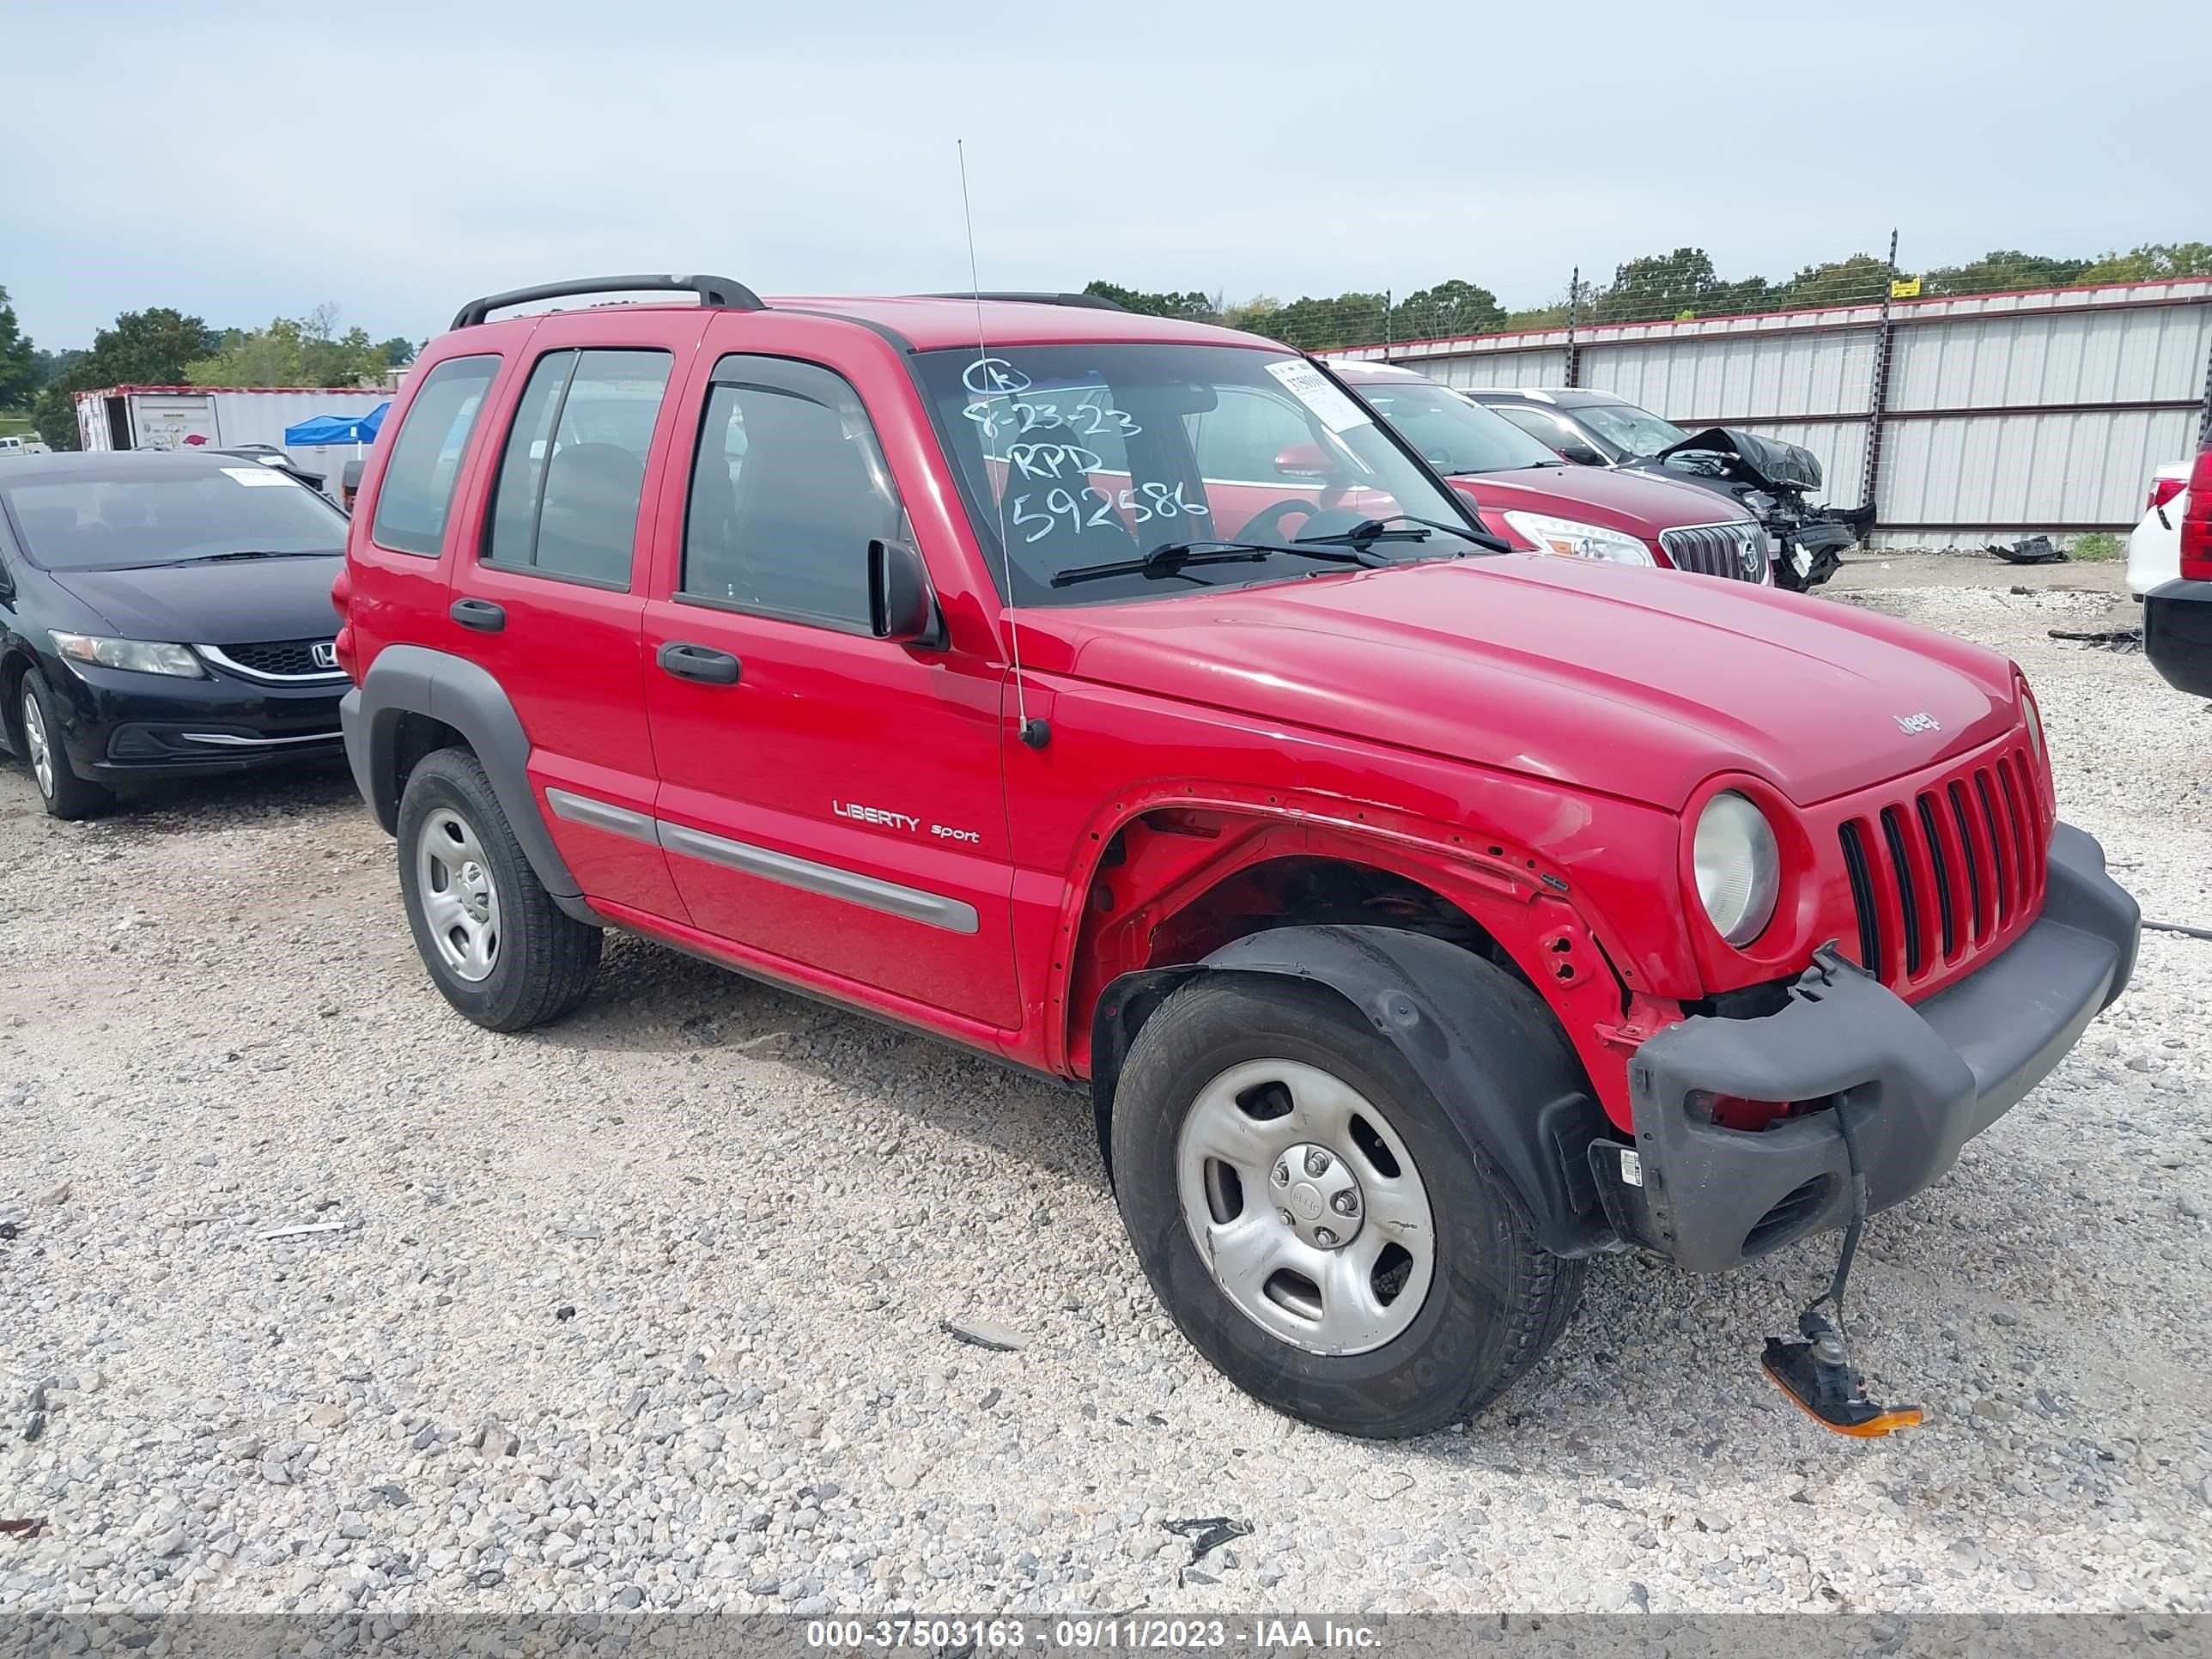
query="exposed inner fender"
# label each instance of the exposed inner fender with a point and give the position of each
(1439, 1005)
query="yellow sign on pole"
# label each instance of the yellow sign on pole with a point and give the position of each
(1905, 288)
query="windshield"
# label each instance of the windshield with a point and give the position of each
(1453, 434)
(131, 524)
(1075, 456)
(1624, 426)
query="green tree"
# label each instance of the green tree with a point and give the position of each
(19, 376)
(2153, 261)
(291, 351)
(1314, 325)
(1192, 307)
(1448, 308)
(1658, 285)
(2002, 268)
(1855, 281)
(140, 348)
(398, 351)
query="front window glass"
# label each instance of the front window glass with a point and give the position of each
(1453, 434)
(172, 518)
(1637, 431)
(1070, 456)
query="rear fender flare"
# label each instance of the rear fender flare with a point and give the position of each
(412, 679)
(1421, 994)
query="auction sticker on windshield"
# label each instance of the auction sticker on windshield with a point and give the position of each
(258, 475)
(1310, 387)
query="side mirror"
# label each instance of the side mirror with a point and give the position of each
(902, 603)
(1302, 461)
(1581, 454)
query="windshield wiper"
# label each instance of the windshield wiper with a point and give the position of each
(1370, 531)
(257, 553)
(1172, 556)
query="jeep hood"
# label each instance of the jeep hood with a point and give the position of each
(1635, 682)
(1638, 504)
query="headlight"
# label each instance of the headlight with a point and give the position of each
(2034, 723)
(139, 656)
(1739, 868)
(1579, 541)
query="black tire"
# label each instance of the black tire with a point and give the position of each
(1495, 1301)
(66, 795)
(546, 959)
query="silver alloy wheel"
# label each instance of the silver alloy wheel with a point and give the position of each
(35, 740)
(460, 902)
(1305, 1206)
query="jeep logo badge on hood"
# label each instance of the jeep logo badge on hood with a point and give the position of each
(1912, 725)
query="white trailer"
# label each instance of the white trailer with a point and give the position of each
(171, 416)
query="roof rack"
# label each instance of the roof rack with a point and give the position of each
(722, 291)
(1087, 302)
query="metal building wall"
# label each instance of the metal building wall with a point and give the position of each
(2005, 414)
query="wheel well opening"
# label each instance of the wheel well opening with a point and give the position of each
(12, 673)
(1314, 891)
(415, 737)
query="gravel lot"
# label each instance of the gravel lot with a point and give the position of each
(646, 1309)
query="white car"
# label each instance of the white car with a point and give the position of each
(2155, 546)
(27, 444)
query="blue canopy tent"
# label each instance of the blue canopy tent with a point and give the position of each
(336, 429)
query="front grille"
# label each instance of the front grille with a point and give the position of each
(1735, 551)
(277, 658)
(1948, 871)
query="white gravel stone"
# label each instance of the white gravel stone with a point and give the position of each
(647, 1309)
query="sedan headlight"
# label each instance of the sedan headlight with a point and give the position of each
(1739, 868)
(139, 656)
(1579, 541)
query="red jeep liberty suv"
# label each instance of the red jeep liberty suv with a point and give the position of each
(1423, 917)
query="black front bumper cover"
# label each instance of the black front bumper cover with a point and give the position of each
(1918, 1079)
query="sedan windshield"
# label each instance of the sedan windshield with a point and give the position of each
(1136, 464)
(170, 518)
(1624, 426)
(1454, 436)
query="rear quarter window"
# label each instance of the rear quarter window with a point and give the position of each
(416, 493)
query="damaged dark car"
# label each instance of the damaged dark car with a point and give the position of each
(1777, 483)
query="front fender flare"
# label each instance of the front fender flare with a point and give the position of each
(1425, 996)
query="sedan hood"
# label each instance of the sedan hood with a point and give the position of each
(1635, 682)
(238, 601)
(1639, 505)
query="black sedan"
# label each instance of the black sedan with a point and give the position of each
(163, 614)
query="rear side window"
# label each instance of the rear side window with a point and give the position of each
(788, 489)
(574, 472)
(417, 491)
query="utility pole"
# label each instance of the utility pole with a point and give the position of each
(1574, 304)
(1878, 386)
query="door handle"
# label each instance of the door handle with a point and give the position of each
(480, 614)
(700, 662)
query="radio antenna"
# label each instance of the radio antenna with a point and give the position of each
(1035, 732)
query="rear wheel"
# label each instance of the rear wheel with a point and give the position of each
(39, 716)
(499, 948)
(1314, 1221)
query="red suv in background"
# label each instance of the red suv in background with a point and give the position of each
(1535, 500)
(1423, 918)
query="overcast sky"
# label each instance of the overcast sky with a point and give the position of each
(395, 159)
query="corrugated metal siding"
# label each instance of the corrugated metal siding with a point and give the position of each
(2141, 354)
(1948, 477)
(1505, 368)
(2025, 471)
(1733, 378)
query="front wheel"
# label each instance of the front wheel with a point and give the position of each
(496, 945)
(38, 717)
(1313, 1220)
